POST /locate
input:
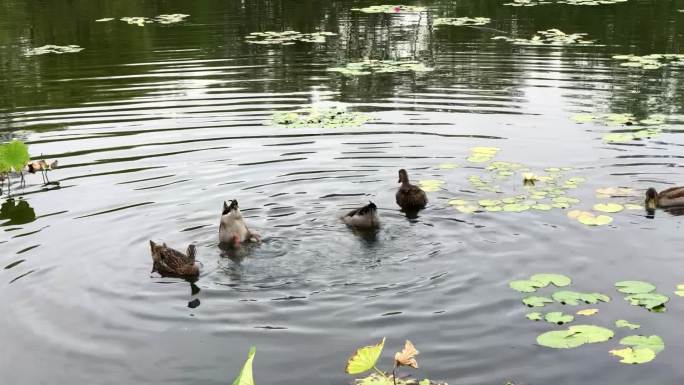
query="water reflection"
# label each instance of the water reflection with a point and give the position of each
(16, 212)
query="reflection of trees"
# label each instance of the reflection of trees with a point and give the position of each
(16, 213)
(463, 56)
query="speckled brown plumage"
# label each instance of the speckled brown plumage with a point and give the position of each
(172, 263)
(410, 197)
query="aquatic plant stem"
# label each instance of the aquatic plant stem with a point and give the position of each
(381, 373)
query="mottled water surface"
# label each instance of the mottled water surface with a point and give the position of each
(155, 126)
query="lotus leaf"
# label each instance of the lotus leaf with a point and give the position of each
(608, 207)
(654, 342)
(559, 318)
(535, 301)
(246, 377)
(525, 286)
(369, 67)
(548, 37)
(535, 316)
(592, 220)
(545, 279)
(575, 298)
(493, 208)
(574, 336)
(651, 301)
(634, 356)
(489, 202)
(314, 117)
(15, 154)
(625, 324)
(364, 358)
(542, 207)
(680, 290)
(634, 287)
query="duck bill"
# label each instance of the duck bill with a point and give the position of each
(650, 204)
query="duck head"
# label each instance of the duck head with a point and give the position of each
(403, 176)
(651, 199)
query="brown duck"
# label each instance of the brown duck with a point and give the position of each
(672, 197)
(410, 197)
(172, 263)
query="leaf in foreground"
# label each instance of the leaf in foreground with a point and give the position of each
(364, 358)
(634, 356)
(245, 377)
(654, 342)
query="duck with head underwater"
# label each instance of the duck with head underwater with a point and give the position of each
(672, 197)
(410, 197)
(169, 262)
(233, 231)
(365, 217)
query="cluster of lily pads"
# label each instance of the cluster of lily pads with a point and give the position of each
(638, 349)
(313, 117)
(141, 21)
(391, 9)
(459, 21)
(650, 62)
(287, 37)
(368, 67)
(532, 3)
(551, 36)
(643, 294)
(58, 49)
(647, 128)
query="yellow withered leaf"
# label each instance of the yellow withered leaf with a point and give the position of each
(407, 357)
(588, 312)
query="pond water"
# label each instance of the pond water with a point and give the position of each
(155, 126)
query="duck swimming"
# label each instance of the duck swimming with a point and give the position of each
(172, 263)
(232, 230)
(672, 197)
(410, 197)
(365, 217)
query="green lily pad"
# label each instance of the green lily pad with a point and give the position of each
(534, 301)
(574, 298)
(535, 316)
(516, 208)
(467, 209)
(489, 202)
(558, 318)
(542, 207)
(680, 290)
(574, 336)
(634, 356)
(625, 324)
(653, 342)
(558, 280)
(594, 220)
(651, 301)
(369, 67)
(634, 287)
(608, 207)
(493, 208)
(314, 117)
(525, 286)
(364, 358)
(569, 200)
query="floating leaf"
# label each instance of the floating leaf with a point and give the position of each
(364, 358)
(542, 207)
(535, 316)
(559, 318)
(105, 19)
(431, 185)
(489, 202)
(680, 290)
(15, 154)
(245, 377)
(57, 49)
(448, 166)
(634, 356)
(467, 209)
(286, 37)
(369, 67)
(608, 207)
(634, 287)
(390, 9)
(625, 324)
(516, 208)
(459, 21)
(314, 117)
(575, 298)
(558, 280)
(535, 301)
(493, 208)
(651, 301)
(591, 220)
(654, 342)
(548, 37)
(575, 336)
(588, 312)
(526, 286)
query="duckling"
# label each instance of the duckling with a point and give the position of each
(410, 197)
(671, 197)
(365, 217)
(172, 263)
(232, 230)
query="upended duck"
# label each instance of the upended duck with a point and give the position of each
(365, 217)
(172, 263)
(233, 231)
(410, 197)
(672, 197)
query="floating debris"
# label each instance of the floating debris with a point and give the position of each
(320, 117)
(58, 49)
(532, 3)
(171, 18)
(391, 9)
(104, 19)
(136, 20)
(650, 62)
(461, 21)
(368, 67)
(548, 37)
(287, 37)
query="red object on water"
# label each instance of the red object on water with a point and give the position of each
(397, 9)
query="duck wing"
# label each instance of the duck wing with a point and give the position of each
(171, 259)
(411, 196)
(673, 193)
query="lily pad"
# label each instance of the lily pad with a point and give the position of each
(489, 202)
(493, 208)
(369, 67)
(542, 207)
(287, 37)
(525, 286)
(535, 301)
(552, 36)
(467, 209)
(391, 9)
(680, 290)
(558, 280)
(558, 318)
(574, 336)
(448, 166)
(459, 21)
(574, 298)
(634, 356)
(651, 301)
(588, 312)
(314, 117)
(535, 316)
(653, 342)
(625, 324)
(516, 208)
(608, 207)
(634, 287)
(15, 154)
(430, 185)
(594, 220)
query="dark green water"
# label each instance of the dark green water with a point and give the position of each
(155, 126)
